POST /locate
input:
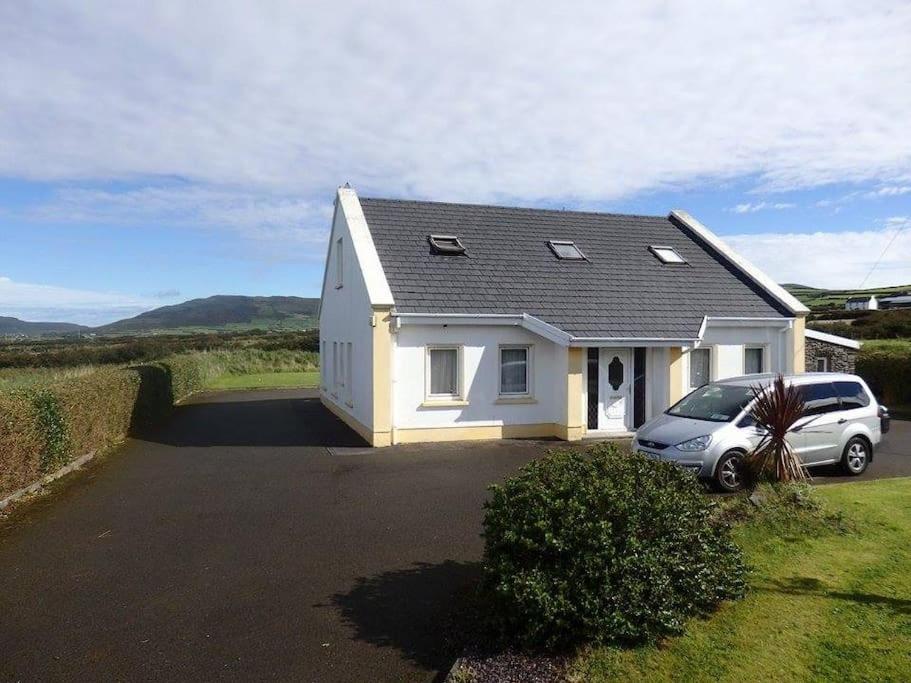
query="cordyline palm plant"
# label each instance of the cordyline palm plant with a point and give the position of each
(776, 409)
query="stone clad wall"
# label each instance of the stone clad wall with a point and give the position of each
(841, 359)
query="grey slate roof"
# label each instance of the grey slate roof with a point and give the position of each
(622, 290)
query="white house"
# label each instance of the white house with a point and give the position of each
(861, 303)
(448, 321)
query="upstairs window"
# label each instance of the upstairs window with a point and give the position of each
(566, 251)
(667, 255)
(339, 263)
(446, 244)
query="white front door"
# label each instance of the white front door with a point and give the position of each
(616, 379)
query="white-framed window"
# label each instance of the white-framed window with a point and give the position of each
(322, 364)
(335, 366)
(348, 369)
(515, 370)
(700, 367)
(754, 360)
(667, 255)
(339, 263)
(444, 372)
(822, 364)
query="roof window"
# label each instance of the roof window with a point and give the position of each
(667, 255)
(446, 244)
(567, 251)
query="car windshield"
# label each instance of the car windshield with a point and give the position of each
(713, 402)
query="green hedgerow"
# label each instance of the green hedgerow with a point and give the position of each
(603, 546)
(53, 428)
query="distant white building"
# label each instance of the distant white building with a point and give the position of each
(862, 303)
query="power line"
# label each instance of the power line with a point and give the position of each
(900, 228)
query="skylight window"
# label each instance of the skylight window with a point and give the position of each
(446, 244)
(667, 255)
(566, 250)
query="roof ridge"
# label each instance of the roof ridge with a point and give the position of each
(514, 208)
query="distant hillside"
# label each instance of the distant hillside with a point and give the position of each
(222, 312)
(11, 326)
(820, 299)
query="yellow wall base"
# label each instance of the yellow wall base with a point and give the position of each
(434, 434)
(378, 439)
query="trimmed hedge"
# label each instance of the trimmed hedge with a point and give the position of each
(43, 428)
(603, 546)
(888, 372)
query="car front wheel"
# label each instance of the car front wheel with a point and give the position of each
(729, 472)
(856, 456)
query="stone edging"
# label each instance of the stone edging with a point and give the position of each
(47, 479)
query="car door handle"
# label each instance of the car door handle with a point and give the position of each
(842, 420)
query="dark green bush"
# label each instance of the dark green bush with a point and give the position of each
(603, 546)
(888, 372)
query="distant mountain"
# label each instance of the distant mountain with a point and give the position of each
(821, 299)
(223, 312)
(9, 326)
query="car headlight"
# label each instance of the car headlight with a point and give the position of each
(700, 443)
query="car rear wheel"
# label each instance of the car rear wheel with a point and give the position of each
(856, 456)
(729, 472)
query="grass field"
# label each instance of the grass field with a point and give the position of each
(821, 606)
(886, 344)
(267, 380)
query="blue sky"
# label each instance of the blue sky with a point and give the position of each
(162, 151)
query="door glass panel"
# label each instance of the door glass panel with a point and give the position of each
(615, 373)
(819, 398)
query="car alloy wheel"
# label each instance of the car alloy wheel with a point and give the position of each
(856, 456)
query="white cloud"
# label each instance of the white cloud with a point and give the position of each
(281, 226)
(833, 260)
(37, 302)
(888, 191)
(477, 100)
(760, 206)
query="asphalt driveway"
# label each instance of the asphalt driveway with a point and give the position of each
(254, 537)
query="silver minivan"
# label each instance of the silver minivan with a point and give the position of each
(710, 429)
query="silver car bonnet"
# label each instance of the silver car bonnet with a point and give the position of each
(672, 429)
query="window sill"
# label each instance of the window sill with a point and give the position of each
(518, 400)
(339, 286)
(444, 403)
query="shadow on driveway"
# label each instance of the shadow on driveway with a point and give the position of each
(253, 419)
(404, 609)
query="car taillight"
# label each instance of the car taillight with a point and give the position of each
(883, 411)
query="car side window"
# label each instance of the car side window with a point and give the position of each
(819, 398)
(852, 395)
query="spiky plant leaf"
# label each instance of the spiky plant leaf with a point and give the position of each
(776, 409)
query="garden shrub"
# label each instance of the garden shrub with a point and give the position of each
(603, 546)
(46, 426)
(888, 372)
(21, 442)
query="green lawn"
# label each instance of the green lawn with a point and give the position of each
(832, 606)
(267, 380)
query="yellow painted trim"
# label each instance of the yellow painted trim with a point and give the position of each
(444, 403)
(573, 427)
(799, 340)
(378, 439)
(382, 373)
(435, 434)
(675, 374)
(526, 400)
